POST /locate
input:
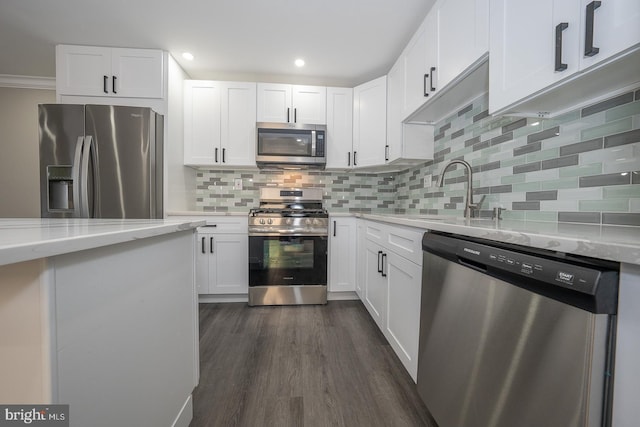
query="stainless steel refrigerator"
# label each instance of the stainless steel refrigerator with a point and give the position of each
(100, 161)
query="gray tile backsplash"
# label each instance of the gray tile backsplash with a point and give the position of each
(582, 166)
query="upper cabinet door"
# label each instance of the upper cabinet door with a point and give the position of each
(238, 124)
(202, 123)
(83, 70)
(274, 103)
(608, 29)
(463, 36)
(523, 47)
(309, 105)
(137, 73)
(370, 123)
(339, 127)
(418, 57)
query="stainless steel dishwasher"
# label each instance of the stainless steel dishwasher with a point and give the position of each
(513, 336)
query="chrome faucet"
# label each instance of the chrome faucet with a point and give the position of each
(470, 207)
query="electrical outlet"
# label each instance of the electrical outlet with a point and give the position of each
(428, 181)
(237, 184)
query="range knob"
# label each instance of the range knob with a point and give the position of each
(308, 221)
(262, 221)
(269, 221)
(289, 221)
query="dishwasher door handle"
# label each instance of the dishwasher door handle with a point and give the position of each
(473, 264)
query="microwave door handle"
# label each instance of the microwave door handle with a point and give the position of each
(75, 176)
(313, 143)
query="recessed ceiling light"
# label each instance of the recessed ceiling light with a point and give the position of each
(188, 56)
(299, 62)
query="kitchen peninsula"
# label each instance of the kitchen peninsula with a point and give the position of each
(100, 314)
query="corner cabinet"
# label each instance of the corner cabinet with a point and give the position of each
(282, 103)
(370, 123)
(392, 286)
(219, 123)
(222, 261)
(342, 254)
(555, 55)
(109, 72)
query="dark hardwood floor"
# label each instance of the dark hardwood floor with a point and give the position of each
(300, 366)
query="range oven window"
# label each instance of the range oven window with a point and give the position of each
(274, 142)
(287, 260)
(290, 253)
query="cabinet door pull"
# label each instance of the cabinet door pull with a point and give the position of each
(216, 155)
(349, 158)
(113, 84)
(354, 158)
(386, 153)
(104, 84)
(211, 244)
(559, 29)
(589, 49)
(295, 115)
(288, 114)
(203, 251)
(223, 155)
(379, 257)
(426, 76)
(384, 257)
(334, 229)
(431, 79)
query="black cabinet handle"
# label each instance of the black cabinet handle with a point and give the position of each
(354, 158)
(224, 150)
(426, 76)
(559, 29)
(589, 49)
(386, 153)
(379, 268)
(203, 251)
(349, 158)
(431, 79)
(384, 257)
(295, 115)
(211, 244)
(334, 229)
(113, 84)
(104, 84)
(216, 155)
(288, 115)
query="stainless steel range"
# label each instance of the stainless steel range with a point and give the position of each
(288, 241)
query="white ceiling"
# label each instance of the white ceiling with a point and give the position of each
(344, 42)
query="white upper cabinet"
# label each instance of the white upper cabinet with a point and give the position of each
(370, 123)
(407, 144)
(109, 72)
(283, 103)
(449, 47)
(219, 123)
(552, 55)
(339, 127)
(463, 36)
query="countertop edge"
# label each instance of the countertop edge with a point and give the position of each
(594, 247)
(45, 248)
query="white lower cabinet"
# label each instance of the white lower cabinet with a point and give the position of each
(342, 254)
(222, 258)
(392, 283)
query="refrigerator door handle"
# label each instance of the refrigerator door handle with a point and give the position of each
(95, 175)
(87, 151)
(75, 175)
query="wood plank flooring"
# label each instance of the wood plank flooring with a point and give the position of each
(300, 366)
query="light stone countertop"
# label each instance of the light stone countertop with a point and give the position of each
(204, 213)
(32, 238)
(610, 242)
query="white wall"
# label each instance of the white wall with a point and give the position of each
(19, 158)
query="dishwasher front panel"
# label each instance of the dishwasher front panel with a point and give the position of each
(496, 355)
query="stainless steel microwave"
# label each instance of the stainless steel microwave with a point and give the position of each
(291, 146)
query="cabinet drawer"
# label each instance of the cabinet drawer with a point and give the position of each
(225, 225)
(404, 241)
